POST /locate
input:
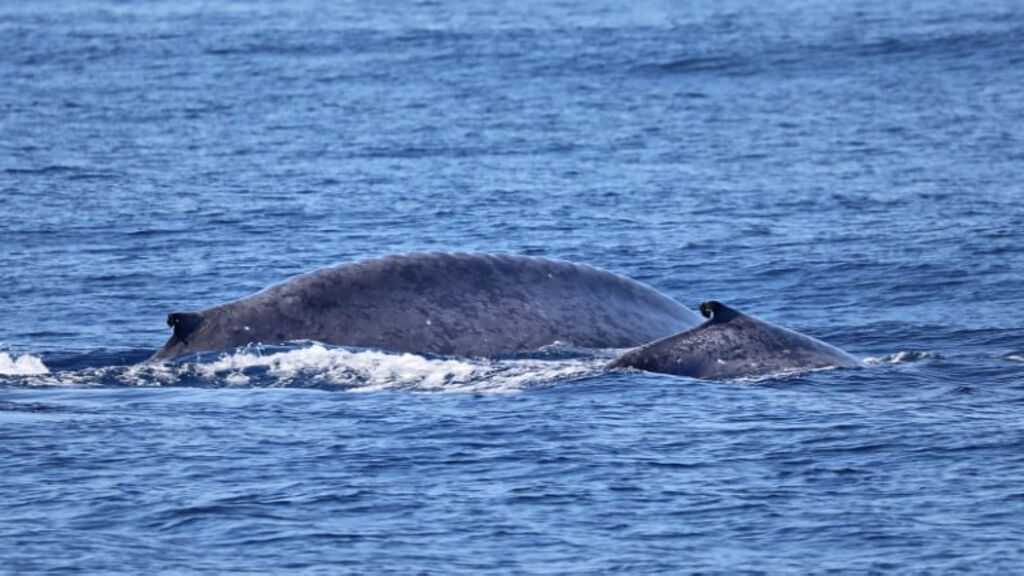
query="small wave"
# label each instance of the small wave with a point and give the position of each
(902, 357)
(706, 63)
(24, 365)
(43, 170)
(1014, 357)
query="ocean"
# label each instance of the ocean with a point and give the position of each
(851, 170)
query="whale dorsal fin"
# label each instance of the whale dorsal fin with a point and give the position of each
(184, 324)
(717, 312)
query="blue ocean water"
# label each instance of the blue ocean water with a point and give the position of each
(847, 169)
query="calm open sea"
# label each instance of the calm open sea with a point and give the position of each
(852, 170)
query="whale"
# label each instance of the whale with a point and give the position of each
(731, 345)
(458, 304)
(492, 305)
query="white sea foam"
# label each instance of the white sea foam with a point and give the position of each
(24, 365)
(901, 357)
(318, 366)
(369, 370)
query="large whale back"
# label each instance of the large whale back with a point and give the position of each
(731, 344)
(443, 303)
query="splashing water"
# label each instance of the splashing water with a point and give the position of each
(24, 365)
(321, 367)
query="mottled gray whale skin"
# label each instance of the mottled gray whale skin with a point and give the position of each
(442, 303)
(732, 345)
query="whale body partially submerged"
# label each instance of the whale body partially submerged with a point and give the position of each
(487, 305)
(731, 344)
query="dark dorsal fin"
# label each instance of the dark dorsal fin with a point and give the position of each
(184, 324)
(717, 311)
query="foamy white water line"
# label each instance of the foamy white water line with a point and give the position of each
(319, 366)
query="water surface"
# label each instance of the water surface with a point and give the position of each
(848, 170)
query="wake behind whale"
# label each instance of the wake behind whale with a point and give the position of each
(488, 305)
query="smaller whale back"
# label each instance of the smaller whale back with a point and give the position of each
(731, 344)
